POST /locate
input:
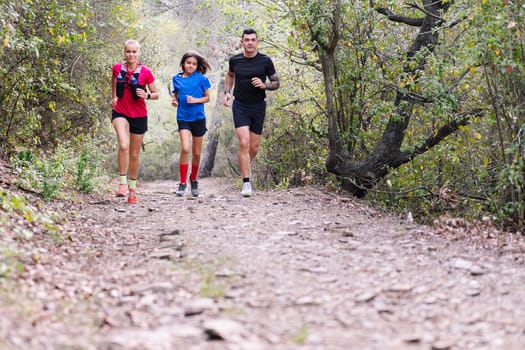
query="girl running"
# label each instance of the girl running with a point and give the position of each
(191, 91)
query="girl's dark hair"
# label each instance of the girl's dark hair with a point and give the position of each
(202, 64)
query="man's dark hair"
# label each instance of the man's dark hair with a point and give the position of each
(248, 31)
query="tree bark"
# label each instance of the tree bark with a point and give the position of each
(210, 151)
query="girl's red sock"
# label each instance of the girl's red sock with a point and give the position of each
(194, 171)
(183, 168)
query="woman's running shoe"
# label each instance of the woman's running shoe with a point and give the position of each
(122, 190)
(132, 197)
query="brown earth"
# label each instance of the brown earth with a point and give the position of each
(292, 269)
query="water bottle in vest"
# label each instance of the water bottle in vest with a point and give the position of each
(134, 86)
(121, 82)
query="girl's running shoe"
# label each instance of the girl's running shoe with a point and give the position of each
(181, 190)
(194, 188)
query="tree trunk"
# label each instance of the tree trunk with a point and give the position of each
(208, 156)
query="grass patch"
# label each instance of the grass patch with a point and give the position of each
(301, 336)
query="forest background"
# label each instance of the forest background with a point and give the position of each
(417, 105)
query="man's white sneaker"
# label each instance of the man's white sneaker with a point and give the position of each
(246, 189)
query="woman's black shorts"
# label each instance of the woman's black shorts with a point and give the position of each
(136, 125)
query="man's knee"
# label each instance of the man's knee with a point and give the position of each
(244, 143)
(254, 148)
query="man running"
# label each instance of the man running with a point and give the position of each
(248, 72)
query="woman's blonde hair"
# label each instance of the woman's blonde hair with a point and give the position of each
(132, 42)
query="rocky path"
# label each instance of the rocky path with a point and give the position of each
(294, 269)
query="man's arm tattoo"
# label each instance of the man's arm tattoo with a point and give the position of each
(274, 83)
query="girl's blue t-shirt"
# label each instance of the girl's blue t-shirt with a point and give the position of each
(195, 85)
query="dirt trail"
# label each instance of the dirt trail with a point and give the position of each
(294, 269)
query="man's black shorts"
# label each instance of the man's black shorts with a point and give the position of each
(251, 115)
(137, 126)
(197, 128)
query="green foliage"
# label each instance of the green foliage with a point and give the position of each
(39, 41)
(477, 66)
(50, 175)
(293, 151)
(42, 175)
(86, 170)
(508, 203)
(294, 143)
(358, 101)
(21, 217)
(485, 71)
(453, 178)
(318, 17)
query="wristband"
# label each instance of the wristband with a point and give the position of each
(149, 96)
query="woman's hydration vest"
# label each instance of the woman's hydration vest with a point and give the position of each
(133, 83)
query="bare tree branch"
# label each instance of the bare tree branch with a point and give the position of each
(428, 13)
(446, 130)
(411, 21)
